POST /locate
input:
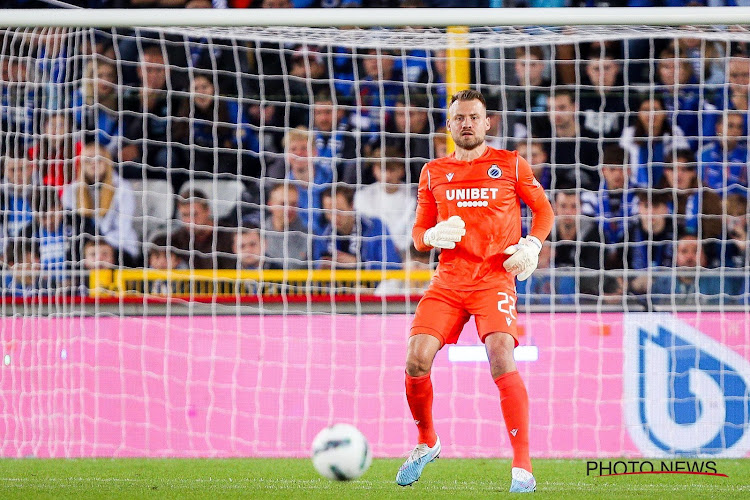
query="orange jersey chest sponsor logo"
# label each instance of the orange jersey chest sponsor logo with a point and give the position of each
(481, 185)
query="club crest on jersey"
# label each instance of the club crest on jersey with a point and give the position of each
(494, 172)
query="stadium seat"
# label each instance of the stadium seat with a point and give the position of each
(223, 193)
(154, 206)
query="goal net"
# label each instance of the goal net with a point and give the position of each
(207, 237)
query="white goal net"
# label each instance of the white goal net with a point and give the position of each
(207, 238)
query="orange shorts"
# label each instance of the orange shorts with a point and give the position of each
(443, 312)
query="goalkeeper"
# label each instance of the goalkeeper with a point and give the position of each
(469, 206)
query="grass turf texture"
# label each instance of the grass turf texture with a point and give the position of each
(296, 478)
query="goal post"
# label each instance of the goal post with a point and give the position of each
(219, 114)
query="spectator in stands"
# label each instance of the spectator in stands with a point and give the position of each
(410, 133)
(287, 239)
(735, 94)
(569, 227)
(533, 152)
(389, 198)
(614, 206)
(688, 285)
(267, 122)
(528, 99)
(15, 192)
(201, 241)
(96, 108)
(335, 144)
(439, 145)
(697, 209)
(651, 238)
(433, 82)
(648, 140)
(414, 260)
(707, 59)
(376, 93)
(604, 104)
(98, 255)
(161, 255)
(22, 258)
(147, 137)
(572, 155)
(724, 161)
(545, 286)
(56, 150)
(211, 129)
(351, 240)
(250, 249)
(308, 176)
(689, 110)
(496, 136)
(101, 194)
(59, 234)
(18, 95)
(308, 66)
(735, 252)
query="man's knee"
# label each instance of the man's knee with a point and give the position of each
(420, 354)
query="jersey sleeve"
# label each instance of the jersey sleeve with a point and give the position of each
(532, 193)
(426, 211)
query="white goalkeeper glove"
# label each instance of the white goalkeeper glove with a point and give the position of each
(445, 234)
(524, 257)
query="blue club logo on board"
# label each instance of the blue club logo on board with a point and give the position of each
(685, 394)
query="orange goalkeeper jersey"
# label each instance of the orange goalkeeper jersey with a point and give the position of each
(486, 193)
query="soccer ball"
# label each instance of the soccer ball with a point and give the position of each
(340, 452)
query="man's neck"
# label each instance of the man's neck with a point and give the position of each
(470, 154)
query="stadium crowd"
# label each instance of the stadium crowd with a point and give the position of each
(645, 158)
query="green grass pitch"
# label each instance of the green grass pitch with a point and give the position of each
(295, 478)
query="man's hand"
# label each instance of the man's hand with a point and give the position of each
(524, 257)
(445, 234)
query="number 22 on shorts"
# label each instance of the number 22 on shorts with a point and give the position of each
(507, 305)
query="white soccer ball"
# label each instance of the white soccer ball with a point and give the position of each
(340, 452)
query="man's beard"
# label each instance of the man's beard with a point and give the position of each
(468, 143)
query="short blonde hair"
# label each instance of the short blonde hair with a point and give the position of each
(297, 134)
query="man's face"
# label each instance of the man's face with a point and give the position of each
(529, 70)
(18, 171)
(323, 116)
(688, 253)
(672, 72)
(731, 128)
(417, 119)
(562, 110)
(248, 245)
(339, 213)
(106, 75)
(652, 215)
(534, 155)
(468, 123)
(161, 259)
(614, 175)
(284, 202)
(196, 216)
(152, 71)
(98, 256)
(51, 219)
(739, 73)
(567, 207)
(602, 71)
(377, 68)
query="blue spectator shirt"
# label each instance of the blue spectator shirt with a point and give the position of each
(310, 200)
(369, 242)
(725, 176)
(96, 118)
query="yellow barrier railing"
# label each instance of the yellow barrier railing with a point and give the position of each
(230, 283)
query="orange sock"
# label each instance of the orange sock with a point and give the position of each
(419, 396)
(514, 400)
